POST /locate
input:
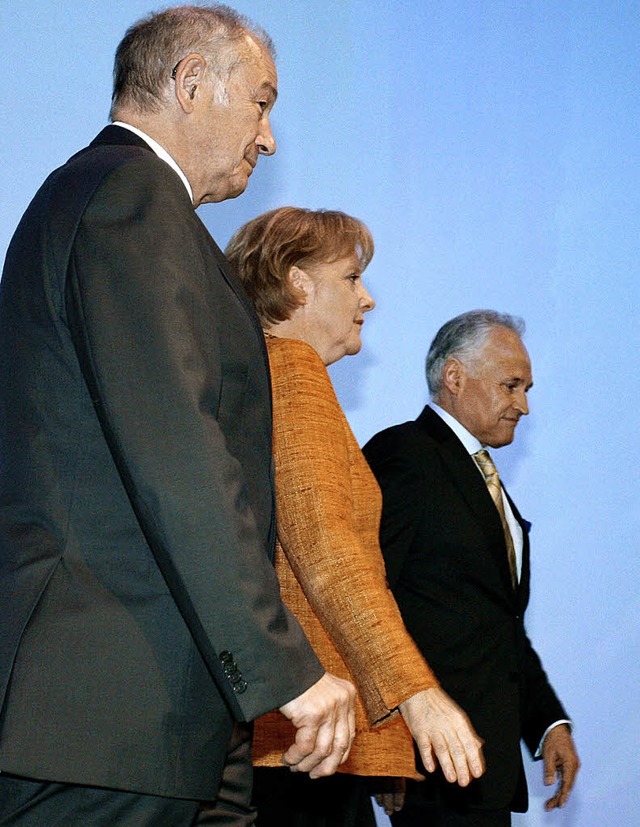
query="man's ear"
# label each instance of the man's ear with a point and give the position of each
(188, 75)
(453, 375)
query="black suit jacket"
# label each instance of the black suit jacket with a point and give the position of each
(447, 564)
(139, 609)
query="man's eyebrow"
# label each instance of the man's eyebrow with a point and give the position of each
(521, 381)
(269, 88)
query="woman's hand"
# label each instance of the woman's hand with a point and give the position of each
(442, 731)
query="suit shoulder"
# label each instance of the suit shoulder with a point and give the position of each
(86, 171)
(134, 173)
(401, 439)
(94, 162)
(137, 167)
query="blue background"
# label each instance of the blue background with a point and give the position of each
(493, 149)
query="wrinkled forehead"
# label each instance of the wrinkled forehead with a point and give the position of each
(502, 342)
(253, 61)
(503, 354)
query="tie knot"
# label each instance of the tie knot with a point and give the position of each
(485, 462)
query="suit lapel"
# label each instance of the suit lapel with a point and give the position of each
(525, 572)
(471, 486)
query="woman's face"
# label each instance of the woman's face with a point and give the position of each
(336, 301)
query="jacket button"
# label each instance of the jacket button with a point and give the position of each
(239, 687)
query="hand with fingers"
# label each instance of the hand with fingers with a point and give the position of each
(561, 764)
(324, 718)
(444, 734)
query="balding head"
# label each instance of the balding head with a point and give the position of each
(145, 59)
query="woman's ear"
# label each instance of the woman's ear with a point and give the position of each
(300, 280)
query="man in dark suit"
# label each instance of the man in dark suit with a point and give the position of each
(140, 617)
(457, 556)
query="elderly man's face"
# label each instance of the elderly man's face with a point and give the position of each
(232, 133)
(492, 394)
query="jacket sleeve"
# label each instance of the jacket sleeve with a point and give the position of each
(143, 313)
(403, 484)
(342, 577)
(541, 707)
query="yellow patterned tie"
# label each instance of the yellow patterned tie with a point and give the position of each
(495, 489)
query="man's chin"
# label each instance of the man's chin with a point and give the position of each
(236, 193)
(235, 184)
(239, 185)
(506, 440)
(229, 193)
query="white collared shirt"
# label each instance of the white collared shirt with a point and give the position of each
(160, 151)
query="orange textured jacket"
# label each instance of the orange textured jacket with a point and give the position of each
(331, 570)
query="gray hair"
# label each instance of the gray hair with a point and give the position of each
(463, 338)
(152, 48)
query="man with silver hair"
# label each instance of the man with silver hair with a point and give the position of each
(140, 617)
(457, 557)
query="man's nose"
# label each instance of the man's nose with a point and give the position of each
(522, 403)
(265, 141)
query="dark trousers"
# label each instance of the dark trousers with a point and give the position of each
(434, 818)
(440, 812)
(286, 799)
(28, 803)
(232, 807)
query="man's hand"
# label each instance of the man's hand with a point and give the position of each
(439, 726)
(561, 764)
(325, 720)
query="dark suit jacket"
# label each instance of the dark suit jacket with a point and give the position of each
(447, 565)
(139, 609)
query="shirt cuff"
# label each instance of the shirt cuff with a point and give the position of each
(547, 731)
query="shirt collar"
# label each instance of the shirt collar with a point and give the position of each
(160, 151)
(470, 442)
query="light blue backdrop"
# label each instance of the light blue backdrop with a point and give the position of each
(493, 149)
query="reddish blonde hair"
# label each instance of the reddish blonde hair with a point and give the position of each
(263, 251)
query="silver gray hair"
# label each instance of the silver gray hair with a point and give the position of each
(151, 49)
(463, 338)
